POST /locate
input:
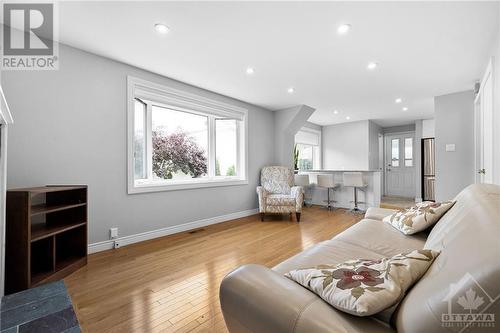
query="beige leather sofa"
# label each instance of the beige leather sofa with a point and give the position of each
(258, 299)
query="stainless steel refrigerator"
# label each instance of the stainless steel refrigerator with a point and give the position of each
(428, 170)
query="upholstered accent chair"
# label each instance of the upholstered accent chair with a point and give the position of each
(277, 193)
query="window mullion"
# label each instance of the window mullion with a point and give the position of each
(238, 149)
(211, 146)
(149, 141)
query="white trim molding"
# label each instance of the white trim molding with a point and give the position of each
(5, 115)
(127, 240)
(5, 120)
(178, 100)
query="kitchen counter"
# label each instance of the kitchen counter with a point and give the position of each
(371, 194)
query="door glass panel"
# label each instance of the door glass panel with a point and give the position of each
(395, 152)
(408, 152)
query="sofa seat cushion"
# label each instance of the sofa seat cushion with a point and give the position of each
(280, 200)
(381, 238)
(376, 213)
(366, 239)
(334, 252)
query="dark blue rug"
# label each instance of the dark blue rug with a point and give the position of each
(46, 309)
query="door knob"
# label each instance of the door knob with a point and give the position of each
(482, 171)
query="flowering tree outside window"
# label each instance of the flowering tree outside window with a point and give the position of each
(177, 152)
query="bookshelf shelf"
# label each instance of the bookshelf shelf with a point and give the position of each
(46, 234)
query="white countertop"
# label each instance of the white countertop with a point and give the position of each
(328, 170)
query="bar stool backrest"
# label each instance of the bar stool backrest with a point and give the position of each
(326, 181)
(354, 179)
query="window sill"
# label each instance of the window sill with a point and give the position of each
(160, 187)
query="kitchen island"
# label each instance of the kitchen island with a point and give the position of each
(344, 196)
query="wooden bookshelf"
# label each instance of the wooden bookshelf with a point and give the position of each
(46, 234)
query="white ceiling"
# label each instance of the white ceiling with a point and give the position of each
(424, 49)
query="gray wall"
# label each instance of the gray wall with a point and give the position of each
(287, 123)
(401, 128)
(417, 159)
(313, 126)
(345, 146)
(454, 117)
(70, 127)
(374, 132)
(496, 106)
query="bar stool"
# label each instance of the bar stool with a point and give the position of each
(328, 182)
(354, 180)
(303, 180)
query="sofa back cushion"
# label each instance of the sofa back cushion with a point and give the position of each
(464, 278)
(276, 179)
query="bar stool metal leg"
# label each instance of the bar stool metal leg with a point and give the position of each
(356, 209)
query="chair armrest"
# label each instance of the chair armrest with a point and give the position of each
(375, 213)
(262, 193)
(297, 192)
(256, 299)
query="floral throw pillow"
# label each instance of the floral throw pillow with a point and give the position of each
(364, 287)
(417, 218)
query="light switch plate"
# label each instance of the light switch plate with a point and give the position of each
(450, 147)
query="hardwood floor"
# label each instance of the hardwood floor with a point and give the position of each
(171, 284)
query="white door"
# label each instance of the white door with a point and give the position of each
(484, 128)
(400, 165)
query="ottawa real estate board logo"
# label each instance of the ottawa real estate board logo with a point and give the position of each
(469, 305)
(29, 36)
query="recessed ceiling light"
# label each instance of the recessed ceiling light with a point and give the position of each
(335, 111)
(405, 109)
(347, 117)
(291, 90)
(372, 65)
(250, 71)
(343, 29)
(398, 100)
(161, 28)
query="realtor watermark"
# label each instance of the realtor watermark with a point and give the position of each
(468, 305)
(29, 37)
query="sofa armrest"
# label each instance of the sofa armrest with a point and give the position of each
(256, 299)
(297, 192)
(376, 213)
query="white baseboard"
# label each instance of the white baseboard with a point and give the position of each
(418, 199)
(127, 240)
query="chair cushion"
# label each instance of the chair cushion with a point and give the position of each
(280, 200)
(276, 179)
(363, 287)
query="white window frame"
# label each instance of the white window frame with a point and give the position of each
(180, 100)
(319, 134)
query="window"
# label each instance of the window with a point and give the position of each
(178, 140)
(408, 152)
(395, 152)
(308, 149)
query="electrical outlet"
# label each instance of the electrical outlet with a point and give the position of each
(116, 244)
(113, 233)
